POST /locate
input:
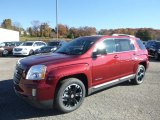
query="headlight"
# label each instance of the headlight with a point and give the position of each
(36, 72)
(53, 49)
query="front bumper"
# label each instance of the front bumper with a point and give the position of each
(20, 53)
(46, 104)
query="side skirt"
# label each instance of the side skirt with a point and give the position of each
(109, 84)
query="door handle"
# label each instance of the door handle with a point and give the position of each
(116, 56)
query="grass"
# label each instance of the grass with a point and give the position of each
(46, 39)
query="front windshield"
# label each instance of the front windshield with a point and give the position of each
(78, 46)
(27, 44)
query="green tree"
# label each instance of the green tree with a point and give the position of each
(62, 30)
(143, 34)
(7, 24)
(45, 30)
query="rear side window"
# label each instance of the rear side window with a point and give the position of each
(140, 44)
(124, 45)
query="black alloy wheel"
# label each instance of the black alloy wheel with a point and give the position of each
(70, 95)
(139, 77)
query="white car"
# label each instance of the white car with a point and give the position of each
(28, 48)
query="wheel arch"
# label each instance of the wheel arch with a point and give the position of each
(81, 76)
(144, 63)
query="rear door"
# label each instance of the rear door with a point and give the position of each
(126, 52)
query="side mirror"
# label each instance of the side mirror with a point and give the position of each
(99, 52)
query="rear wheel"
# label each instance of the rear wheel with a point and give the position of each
(139, 75)
(70, 95)
(5, 53)
(156, 56)
(31, 52)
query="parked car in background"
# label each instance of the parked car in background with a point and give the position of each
(81, 67)
(153, 48)
(7, 47)
(28, 48)
(52, 46)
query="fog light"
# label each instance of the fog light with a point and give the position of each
(34, 92)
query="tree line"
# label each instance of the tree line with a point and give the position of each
(43, 29)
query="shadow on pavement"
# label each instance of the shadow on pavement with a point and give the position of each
(12, 107)
(151, 59)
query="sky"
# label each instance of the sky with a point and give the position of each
(102, 14)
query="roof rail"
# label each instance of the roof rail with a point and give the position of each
(123, 35)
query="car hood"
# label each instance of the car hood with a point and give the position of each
(46, 59)
(24, 47)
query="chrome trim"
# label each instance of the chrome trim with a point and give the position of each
(113, 81)
(127, 77)
(116, 80)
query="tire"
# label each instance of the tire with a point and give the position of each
(31, 52)
(5, 53)
(156, 56)
(139, 75)
(70, 95)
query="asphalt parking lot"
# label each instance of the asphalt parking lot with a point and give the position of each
(121, 102)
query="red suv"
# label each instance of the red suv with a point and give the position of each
(81, 67)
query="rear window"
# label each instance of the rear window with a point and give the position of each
(140, 44)
(124, 45)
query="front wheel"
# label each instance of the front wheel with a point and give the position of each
(139, 75)
(31, 52)
(70, 95)
(5, 53)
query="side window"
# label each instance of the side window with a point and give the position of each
(36, 44)
(39, 44)
(141, 45)
(124, 45)
(110, 45)
(43, 44)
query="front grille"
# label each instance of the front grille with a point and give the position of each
(17, 49)
(18, 74)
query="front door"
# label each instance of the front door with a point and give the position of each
(106, 67)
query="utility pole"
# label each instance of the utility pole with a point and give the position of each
(57, 17)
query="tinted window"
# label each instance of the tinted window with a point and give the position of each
(141, 45)
(78, 46)
(124, 45)
(110, 45)
(43, 44)
(27, 44)
(150, 43)
(53, 43)
(158, 44)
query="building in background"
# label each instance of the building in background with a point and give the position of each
(8, 35)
